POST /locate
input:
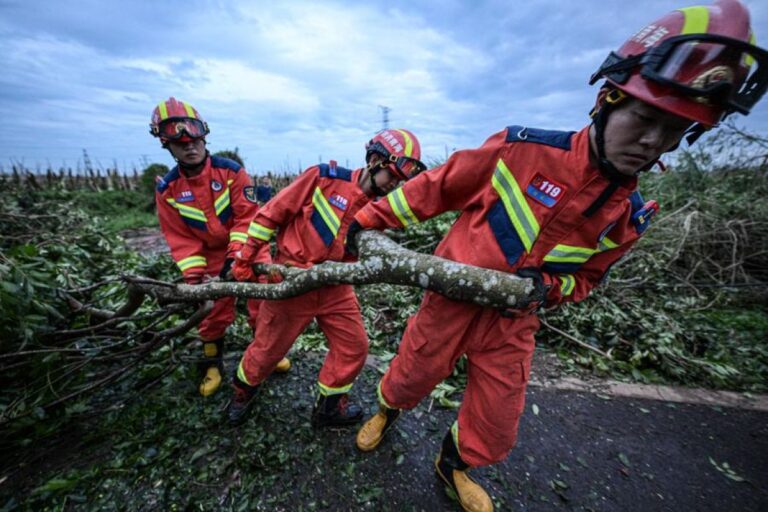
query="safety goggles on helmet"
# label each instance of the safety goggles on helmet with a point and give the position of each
(405, 166)
(177, 128)
(708, 68)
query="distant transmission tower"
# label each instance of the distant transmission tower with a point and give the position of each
(87, 161)
(384, 117)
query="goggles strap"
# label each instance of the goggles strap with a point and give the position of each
(616, 67)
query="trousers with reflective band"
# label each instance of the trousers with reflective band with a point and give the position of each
(337, 312)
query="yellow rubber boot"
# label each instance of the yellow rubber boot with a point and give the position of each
(211, 381)
(453, 471)
(372, 432)
(211, 367)
(283, 366)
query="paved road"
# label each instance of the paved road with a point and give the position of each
(577, 451)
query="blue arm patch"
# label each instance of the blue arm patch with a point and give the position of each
(642, 211)
(166, 180)
(557, 139)
(225, 163)
(336, 173)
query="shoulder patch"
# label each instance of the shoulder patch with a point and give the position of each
(557, 139)
(164, 182)
(225, 163)
(642, 211)
(335, 173)
(250, 194)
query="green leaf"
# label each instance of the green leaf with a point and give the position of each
(624, 460)
(558, 485)
(55, 484)
(535, 409)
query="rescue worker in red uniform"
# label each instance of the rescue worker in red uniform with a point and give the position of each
(311, 217)
(204, 205)
(559, 208)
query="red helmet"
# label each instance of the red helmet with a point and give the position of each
(700, 63)
(399, 147)
(177, 121)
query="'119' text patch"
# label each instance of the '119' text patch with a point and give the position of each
(545, 191)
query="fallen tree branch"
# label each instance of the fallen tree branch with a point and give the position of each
(381, 261)
(574, 339)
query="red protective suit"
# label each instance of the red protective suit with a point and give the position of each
(205, 221)
(312, 216)
(528, 198)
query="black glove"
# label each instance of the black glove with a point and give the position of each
(536, 299)
(540, 290)
(350, 246)
(226, 268)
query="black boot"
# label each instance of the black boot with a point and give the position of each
(241, 403)
(335, 411)
(453, 471)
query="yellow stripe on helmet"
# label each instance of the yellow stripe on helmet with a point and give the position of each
(163, 110)
(408, 142)
(696, 20)
(749, 59)
(190, 111)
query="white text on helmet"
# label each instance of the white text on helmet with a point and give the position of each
(650, 35)
(392, 141)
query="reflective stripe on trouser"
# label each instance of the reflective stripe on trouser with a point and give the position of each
(499, 352)
(281, 321)
(222, 315)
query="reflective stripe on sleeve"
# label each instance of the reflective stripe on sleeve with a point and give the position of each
(567, 285)
(237, 236)
(401, 208)
(260, 232)
(192, 262)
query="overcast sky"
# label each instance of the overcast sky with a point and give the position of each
(291, 83)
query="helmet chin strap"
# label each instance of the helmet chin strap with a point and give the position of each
(600, 120)
(372, 171)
